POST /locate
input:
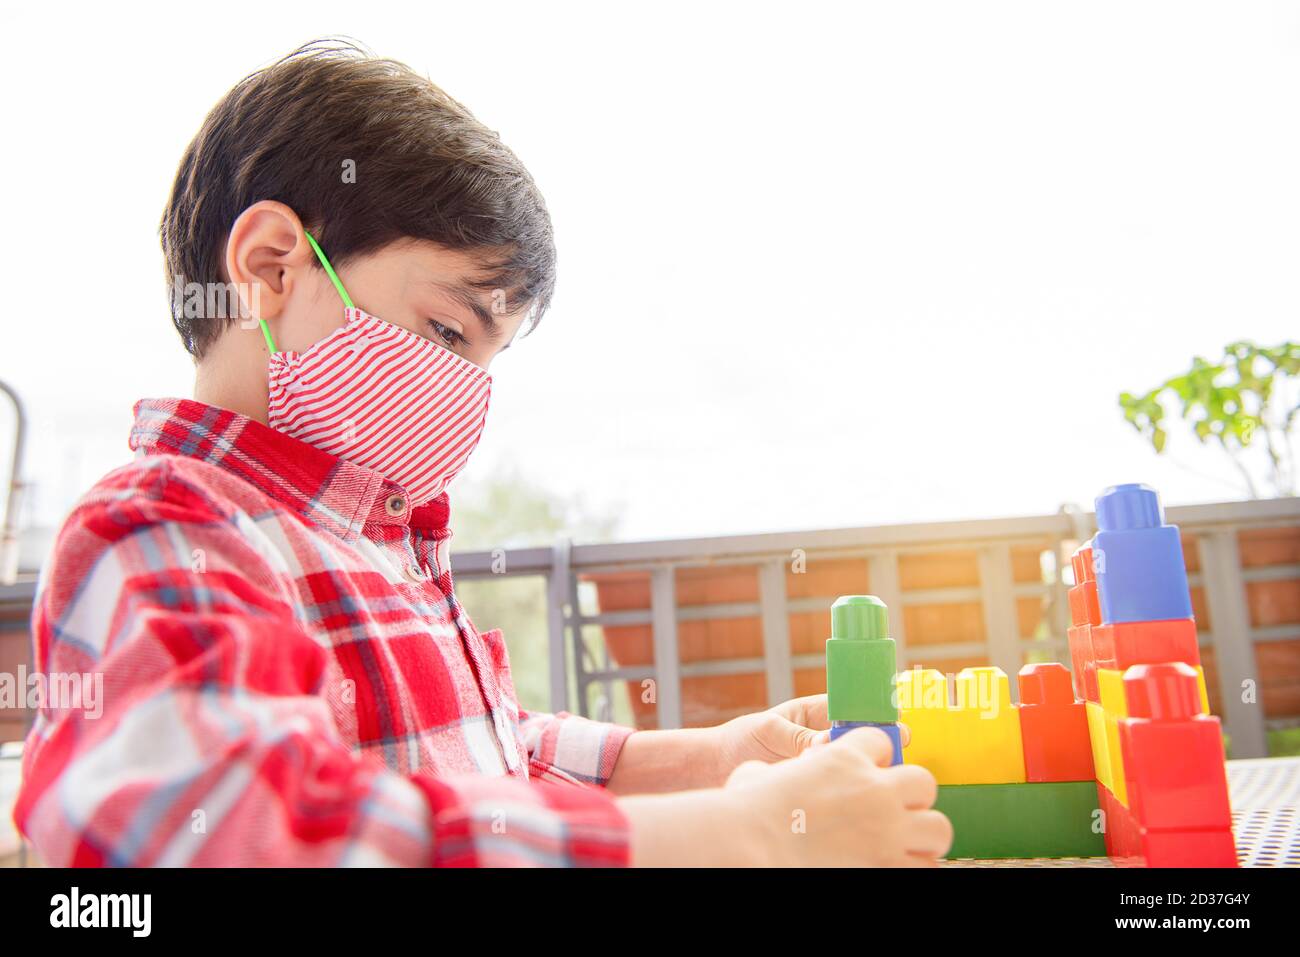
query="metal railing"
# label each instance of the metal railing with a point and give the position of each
(575, 664)
(13, 490)
(1221, 576)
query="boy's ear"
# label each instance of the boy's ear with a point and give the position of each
(266, 254)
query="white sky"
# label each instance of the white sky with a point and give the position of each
(820, 266)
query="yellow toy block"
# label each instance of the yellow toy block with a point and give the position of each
(974, 741)
(991, 728)
(923, 707)
(1110, 688)
(1097, 738)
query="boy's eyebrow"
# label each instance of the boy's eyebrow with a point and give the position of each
(464, 293)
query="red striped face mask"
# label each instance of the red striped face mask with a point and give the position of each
(378, 395)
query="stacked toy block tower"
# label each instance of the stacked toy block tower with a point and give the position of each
(1015, 781)
(1158, 753)
(1122, 760)
(860, 665)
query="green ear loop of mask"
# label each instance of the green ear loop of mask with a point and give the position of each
(334, 278)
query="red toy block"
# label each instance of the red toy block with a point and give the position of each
(1173, 754)
(1213, 848)
(1053, 726)
(1120, 646)
(1083, 662)
(1129, 845)
(1123, 836)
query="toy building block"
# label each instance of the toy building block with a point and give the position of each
(894, 733)
(990, 727)
(1114, 707)
(1111, 685)
(1053, 726)
(976, 740)
(1189, 848)
(1138, 559)
(1123, 836)
(1085, 613)
(1101, 758)
(860, 668)
(1124, 644)
(1085, 607)
(1082, 662)
(1173, 752)
(923, 707)
(1045, 819)
(1128, 844)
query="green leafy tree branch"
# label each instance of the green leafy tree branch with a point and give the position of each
(1248, 396)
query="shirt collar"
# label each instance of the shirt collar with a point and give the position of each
(325, 490)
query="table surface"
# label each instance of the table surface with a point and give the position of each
(1265, 796)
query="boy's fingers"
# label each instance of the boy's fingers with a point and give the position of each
(905, 733)
(809, 711)
(821, 739)
(798, 738)
(872, 742)
(917, 785)
(930, 834)
(815, 714)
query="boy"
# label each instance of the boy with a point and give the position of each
(288, 678)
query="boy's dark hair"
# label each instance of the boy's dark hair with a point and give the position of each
(425, 168)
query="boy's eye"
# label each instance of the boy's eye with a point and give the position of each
(447, 334)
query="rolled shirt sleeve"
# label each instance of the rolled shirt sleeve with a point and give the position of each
(579, 747)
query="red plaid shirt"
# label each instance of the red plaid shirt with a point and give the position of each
(287, 677)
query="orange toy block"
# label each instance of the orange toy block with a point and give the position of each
(1085, 606)
(1081, 562)
(1083, 662)
(1053, 726)
(1085, 612)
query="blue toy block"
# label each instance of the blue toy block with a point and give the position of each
(1138, 559)
(839, 728)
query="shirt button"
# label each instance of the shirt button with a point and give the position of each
(395, 506)
(508, 747)
(415, 573)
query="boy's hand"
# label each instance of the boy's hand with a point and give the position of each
(785, 731)
(687, 758)
(839, 805)
(843, 805)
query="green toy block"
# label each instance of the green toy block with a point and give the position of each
(1042, 819)
(860, 661)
